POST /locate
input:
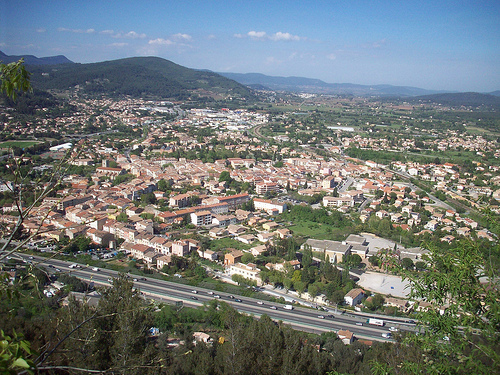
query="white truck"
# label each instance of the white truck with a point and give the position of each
(288, 307)
(376, 322)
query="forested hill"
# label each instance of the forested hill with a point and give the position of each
(138, 77)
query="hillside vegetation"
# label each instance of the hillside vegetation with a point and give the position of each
(137, 77)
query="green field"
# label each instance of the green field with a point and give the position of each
(20, 144)
(317, 231)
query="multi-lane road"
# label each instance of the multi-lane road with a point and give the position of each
(300, 318)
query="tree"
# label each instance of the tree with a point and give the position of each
(407, 263)
(464, 339)
(122, 216)
(225, 176)
(14, 78)
(247, 258)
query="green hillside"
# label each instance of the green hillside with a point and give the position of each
(138, 77)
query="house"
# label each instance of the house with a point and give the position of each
(464, 231)
(208, 254)
(163, 260)
(399, 303)
(248, 271)
(232, 257)
(246, 238)
(265, 236)
(180, 248)
(354, 297)
(257, 250)
(346, 336)
(201, 337)
(218, 232)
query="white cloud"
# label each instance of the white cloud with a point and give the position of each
(184, 37)
(77, 31)
(129, 35)
(257, 34)
(273, 61)
(160, 42)
(284, 36)
(262, 35)
(134, 35)
(2, 44)
(118, 44)
(41, 30)
(108, 32)
(331, 56)
(211, 36)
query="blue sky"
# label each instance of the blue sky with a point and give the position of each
(443, 45)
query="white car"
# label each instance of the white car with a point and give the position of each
(194, 291)
(95, 269)
(393, 329)
(260, 303)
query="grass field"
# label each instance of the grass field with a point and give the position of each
(20, 144)
(317, 231)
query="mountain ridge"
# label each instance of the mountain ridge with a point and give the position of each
(33, 60)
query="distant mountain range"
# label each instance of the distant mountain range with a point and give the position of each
(157, 77)
(316, 86)
(33, 60)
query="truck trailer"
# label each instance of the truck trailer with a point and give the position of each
(376, 322)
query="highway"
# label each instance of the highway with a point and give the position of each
(300, 318)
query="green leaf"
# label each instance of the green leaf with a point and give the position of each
(20, 362)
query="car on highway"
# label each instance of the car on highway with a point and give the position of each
(95, 269)
(216, 296)
(194, 297)
(321, 316)
(260, 303)
(58, 270)
(359, 324)
(237, 300)
(273, 307)
(194, 291)
(231, 296)
(393, 329)
(210, 293)
(386, 335)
